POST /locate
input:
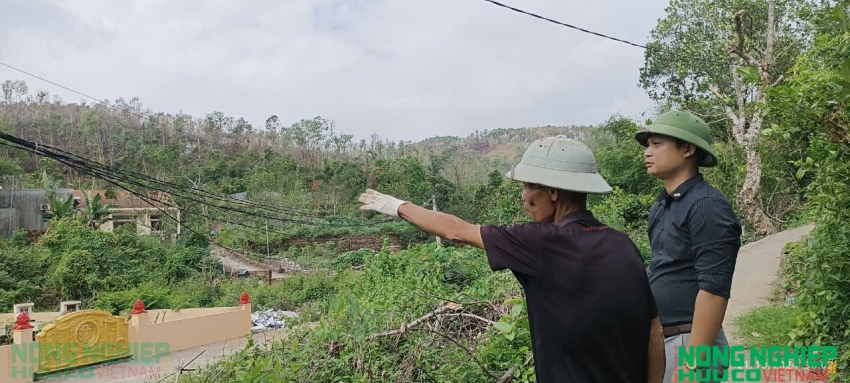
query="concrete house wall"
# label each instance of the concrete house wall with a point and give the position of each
(21, 209)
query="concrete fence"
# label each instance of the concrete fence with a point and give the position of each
(80, 339)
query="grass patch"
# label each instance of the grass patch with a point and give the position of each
(767, 325)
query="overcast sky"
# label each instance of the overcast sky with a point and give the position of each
(431, 67)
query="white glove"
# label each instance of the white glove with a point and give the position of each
(382, 203)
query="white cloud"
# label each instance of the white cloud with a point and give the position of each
(405, 69)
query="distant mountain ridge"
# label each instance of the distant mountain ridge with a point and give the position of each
(481, 152)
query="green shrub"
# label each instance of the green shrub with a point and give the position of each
(822, 267)
(354, 258)
(350, 307)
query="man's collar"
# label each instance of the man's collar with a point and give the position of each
(680, 191)
(579, 215)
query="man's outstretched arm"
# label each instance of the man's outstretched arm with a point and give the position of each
(442, 225)
(657, 357)
(516, 247)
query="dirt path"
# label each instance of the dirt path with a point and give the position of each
(757, 275)
(233, 264)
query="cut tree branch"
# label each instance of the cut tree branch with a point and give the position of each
(778, 80)
(738, 48)
(405, 326)
(729, 112)
(470, 316)
(510, 373)
(717, 93)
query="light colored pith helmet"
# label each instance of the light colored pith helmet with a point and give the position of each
(561, 163)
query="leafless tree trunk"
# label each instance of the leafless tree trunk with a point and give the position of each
(747, 129)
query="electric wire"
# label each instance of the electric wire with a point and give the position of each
(163, 212)
(164, 183)
(92, 167)
(645, 47)
(188, 227)
(105, 175)
(148, 199)
(51, 82)
(565, 24)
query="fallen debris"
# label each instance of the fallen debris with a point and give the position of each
(270, 318)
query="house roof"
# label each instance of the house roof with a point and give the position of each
(127, 200)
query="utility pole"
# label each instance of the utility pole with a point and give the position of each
(434, 207)
(267, 242)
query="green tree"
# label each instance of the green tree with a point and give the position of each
(719, 59)
(619, 157)
(813, 106)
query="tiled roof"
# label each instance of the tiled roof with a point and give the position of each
(127, 200)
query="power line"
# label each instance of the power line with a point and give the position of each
(203, 193)
(117, 182)
(259, 256)
(565, 24)
(146, 199)
(101, 171)
(140, 116)
(710, 61)
(51, 82)
(164, 183)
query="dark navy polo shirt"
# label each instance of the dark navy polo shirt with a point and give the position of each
(589, 301)
(694, 236)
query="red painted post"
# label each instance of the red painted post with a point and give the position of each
(22, 322)
(138, 307)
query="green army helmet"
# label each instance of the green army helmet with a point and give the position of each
(560, 163)
(684, 126)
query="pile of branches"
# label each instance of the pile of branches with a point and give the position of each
(454, 323)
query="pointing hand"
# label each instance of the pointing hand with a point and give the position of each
(382, 203)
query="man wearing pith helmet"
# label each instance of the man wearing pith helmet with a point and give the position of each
(591, 312)
(694, 235)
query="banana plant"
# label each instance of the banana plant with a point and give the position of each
(98, 213)
(62, 209)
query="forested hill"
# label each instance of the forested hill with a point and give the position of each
(126, 134)
(311, 166)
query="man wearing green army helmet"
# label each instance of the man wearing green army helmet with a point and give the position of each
(591, 313)
(694, 237)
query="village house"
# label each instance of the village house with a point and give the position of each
(27, 208)
(148, 215)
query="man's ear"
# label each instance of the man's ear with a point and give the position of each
(690, 150)
(553, 194)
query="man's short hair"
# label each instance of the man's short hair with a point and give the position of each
(700, 154)
(575, 198)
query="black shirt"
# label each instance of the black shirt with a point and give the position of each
(695, 237)
(589, 301)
